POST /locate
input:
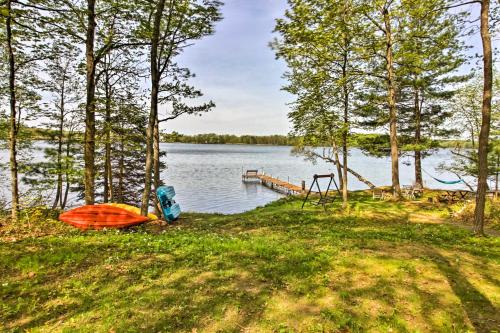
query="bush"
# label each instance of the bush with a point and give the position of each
(33, 221)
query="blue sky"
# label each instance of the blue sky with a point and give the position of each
(237, 70)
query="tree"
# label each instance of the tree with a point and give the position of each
(102, 26)
(13, 124)
(430, 54)
(20, 41)
(381, 38)
(495, 133)
(117, 76)
(485, 118)
(114, 16)
(59, 169)
(467, 104)
(153, 115)
(168, 27)
(318, 42)
(128, 146)
(64, 84)
(89, 139)
(7, 16)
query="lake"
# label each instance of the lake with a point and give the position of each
(207, 178)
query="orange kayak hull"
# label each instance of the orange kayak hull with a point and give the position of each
(100, 217)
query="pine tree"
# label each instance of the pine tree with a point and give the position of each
(129, 148)
(430, 54)
(380, 46)
(59, 170)
(117, 76)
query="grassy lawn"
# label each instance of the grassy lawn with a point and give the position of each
(385, 267)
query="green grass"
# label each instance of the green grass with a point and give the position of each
(385, 266)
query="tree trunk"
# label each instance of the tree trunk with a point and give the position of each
(13, 124)
(110, 180)
(89, 149)
(345, 192)
(496, 174)
(121, 168)
(337, 163)
(418, 154)
(345, 131)
(391, 100)
(156, 163)
(361, 178)
(486, 119)
(472, 137)
(64, 199)
(107, 145)
(59, 147)
(153, 114)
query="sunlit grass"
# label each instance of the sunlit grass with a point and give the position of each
(385, 266)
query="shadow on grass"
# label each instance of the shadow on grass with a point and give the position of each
(483, 315)
(381, 221)
(112, 279)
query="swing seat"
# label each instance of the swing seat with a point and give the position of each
(326, 200)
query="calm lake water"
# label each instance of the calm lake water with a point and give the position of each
(207, 178)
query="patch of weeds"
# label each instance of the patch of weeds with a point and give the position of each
(342, 320)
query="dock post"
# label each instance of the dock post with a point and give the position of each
(303, 186)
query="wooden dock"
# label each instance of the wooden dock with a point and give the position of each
(274, 184)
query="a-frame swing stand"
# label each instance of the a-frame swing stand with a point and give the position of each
(323, 198)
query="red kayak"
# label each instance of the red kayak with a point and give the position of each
(101, 216)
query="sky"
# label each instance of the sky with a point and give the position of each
(238, 71)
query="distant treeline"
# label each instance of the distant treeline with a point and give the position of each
(377, 140)
(212, 138)
(380, 141)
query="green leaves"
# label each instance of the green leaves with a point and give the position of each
(317, 42)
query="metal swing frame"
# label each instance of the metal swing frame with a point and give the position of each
(323, 199)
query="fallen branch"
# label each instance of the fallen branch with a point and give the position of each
(352, 172)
